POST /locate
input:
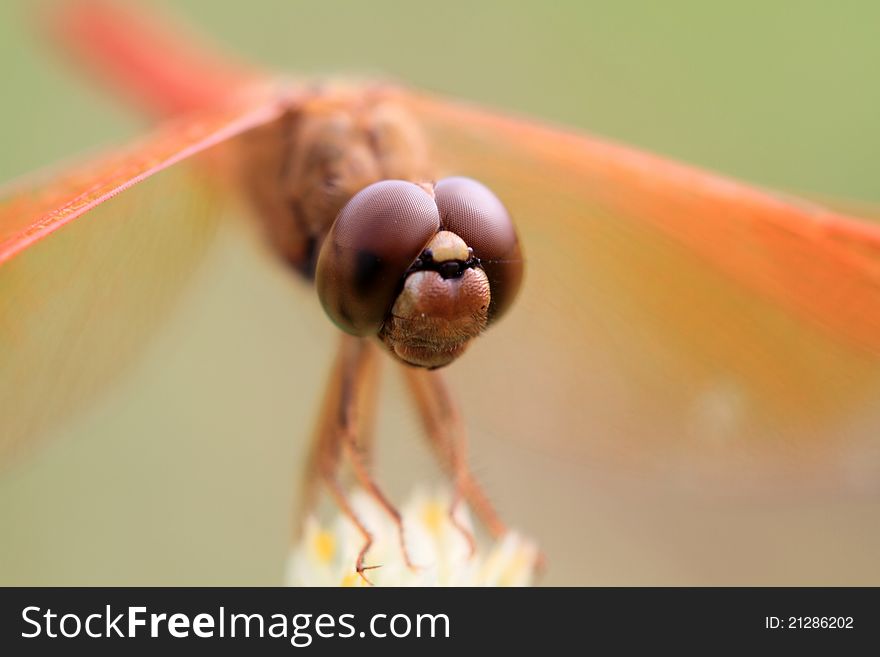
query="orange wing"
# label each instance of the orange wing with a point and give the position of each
(153, 62)
(79, 298)
(672, 319)
(35, 207)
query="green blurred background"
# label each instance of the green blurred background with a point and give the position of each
(780, 93)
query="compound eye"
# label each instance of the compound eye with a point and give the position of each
(470, 210)
(372, 243)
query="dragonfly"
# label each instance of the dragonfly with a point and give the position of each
(670, 321)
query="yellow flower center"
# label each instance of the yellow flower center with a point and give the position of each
(352, 579)
(434, 515)
(325, 546)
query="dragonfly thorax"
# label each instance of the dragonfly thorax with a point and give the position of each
(323, 151)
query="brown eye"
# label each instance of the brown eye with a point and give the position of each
(470, 210)
(375, 238)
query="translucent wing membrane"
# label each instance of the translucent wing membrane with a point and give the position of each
(161, 67)
(33, 208)
(79, 299)
(672, 321)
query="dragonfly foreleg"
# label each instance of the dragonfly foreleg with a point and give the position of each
(362, 473)
(338, 494)
(448, 436)
(345, 431)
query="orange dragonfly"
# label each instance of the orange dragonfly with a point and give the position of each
(671, 322)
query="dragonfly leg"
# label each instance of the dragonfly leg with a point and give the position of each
(362, 473)
(323, 459)
(345, 506)
(448, 436)
(345, 430)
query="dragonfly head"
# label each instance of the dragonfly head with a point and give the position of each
(426, 268)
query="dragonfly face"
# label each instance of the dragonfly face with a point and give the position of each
(425, 267)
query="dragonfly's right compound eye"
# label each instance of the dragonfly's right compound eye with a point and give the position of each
(405, 263)
(373, 242)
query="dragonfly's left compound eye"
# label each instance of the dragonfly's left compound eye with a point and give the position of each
(470, 210)
(425, 272)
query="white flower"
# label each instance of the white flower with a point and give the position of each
(326, 555)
